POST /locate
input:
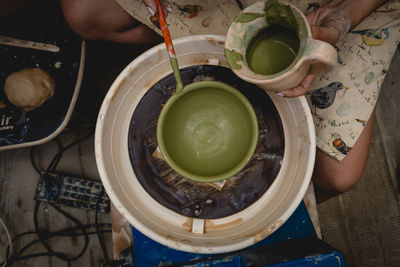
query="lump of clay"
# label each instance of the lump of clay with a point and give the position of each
(2, 104)
(29, 88)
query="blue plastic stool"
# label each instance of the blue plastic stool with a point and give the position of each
(294, 244)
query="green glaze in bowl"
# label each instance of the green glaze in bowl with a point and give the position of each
(208, 131)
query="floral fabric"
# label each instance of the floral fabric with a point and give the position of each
(342, 100)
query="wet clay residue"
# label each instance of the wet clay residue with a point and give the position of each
(272, 50)
(275, 47)
(277, 13)
(204, 200)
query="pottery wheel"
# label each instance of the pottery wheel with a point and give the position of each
(195, 199)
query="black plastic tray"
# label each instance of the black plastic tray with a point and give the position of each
(41, 21)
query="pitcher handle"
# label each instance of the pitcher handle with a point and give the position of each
(321, 54)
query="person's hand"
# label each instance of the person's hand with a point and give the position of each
(328, 23)
(152, 7)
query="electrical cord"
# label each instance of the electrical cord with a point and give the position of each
(55, 234)
(40, 235)
(43, 236)
(56, 159)
(9, 239)
(65, 232)
(99, 235)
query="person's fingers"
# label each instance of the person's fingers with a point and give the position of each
(152, 6)
(328, 34)
(301, 89)
(313, 17)
(167, 5)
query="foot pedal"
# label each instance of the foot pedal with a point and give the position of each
(72, 191)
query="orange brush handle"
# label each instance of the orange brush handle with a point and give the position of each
(164, 29)
(170, 48)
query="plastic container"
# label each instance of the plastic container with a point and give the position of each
(42, 22)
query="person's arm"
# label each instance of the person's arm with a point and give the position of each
(358, 10)
(330, 23)
(106, 20)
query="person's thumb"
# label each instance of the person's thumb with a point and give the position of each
(328, 34)
(151, 6)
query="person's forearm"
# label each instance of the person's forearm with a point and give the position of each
(8, 7)
(358, 10)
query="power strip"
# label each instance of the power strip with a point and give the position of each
(72, 191)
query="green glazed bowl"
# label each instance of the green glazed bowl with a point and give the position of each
(208, 131)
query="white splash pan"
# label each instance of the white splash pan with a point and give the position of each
(231, 233)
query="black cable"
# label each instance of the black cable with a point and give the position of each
(59, 145)
(56, 159)
(33, 160)
(65, 232)
(18, 254)
(44, 254)
(42, 238)
(49, 254)
(80, 225)
(43, 235)
(99, 235)
(40, 235)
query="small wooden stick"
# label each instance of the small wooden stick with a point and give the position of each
(4, 40)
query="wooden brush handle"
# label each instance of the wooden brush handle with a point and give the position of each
(164, 29)
(170, 48)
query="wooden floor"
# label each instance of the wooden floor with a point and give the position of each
(18, 179)
(363, 223)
